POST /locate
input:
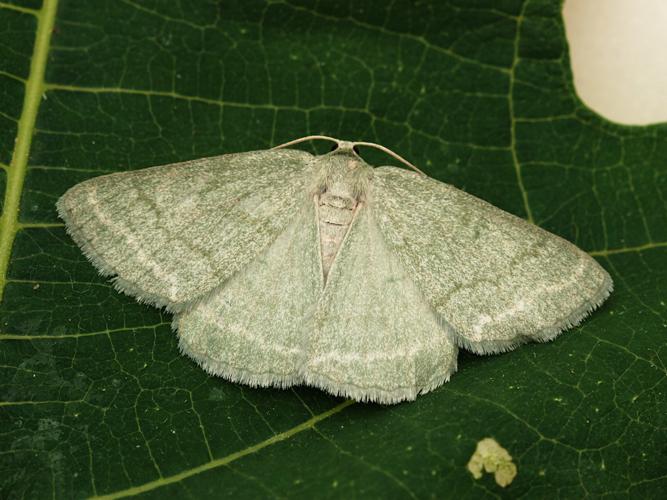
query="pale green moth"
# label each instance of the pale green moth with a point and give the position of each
(285, 268)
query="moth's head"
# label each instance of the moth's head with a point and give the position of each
(343, 160)
(346, 156)
(344, 171)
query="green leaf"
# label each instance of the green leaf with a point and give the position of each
(97, 400)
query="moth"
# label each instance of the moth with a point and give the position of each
(284, 268)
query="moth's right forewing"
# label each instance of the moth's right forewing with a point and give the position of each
(169, 234)
(496, 279)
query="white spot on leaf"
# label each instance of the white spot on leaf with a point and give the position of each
(489, 456)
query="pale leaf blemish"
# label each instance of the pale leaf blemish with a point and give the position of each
(489, 456)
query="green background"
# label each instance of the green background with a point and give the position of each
(96, 398)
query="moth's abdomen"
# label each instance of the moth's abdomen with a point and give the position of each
(335, 214)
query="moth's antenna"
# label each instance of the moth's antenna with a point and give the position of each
(307, 138)
(390, 153)
(369, 144)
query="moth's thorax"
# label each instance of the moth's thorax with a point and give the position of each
(342, 184)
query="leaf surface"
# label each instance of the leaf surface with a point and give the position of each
(95, 397)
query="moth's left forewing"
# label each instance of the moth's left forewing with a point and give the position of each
(496, 279)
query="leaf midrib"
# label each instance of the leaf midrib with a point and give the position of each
(34, 87)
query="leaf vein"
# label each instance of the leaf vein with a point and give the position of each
(219, 462)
